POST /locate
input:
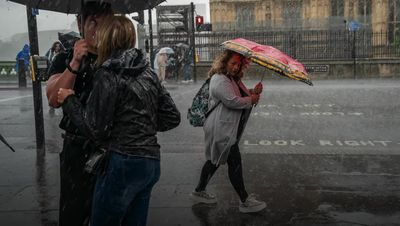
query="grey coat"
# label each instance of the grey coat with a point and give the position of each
(221, 126)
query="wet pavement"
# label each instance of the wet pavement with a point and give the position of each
(322, 155)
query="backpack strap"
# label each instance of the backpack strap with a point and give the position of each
(210, 110)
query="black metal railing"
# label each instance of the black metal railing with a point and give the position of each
(308, 45)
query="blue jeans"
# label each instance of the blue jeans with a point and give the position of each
(122, 194)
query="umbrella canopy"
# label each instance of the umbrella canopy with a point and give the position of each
(74, 6)
(68, 39)
(166, 50)
(269, 57)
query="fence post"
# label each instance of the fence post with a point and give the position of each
(21, 73)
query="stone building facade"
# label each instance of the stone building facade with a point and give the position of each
(376, 15)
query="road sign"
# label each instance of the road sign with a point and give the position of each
(354, 25)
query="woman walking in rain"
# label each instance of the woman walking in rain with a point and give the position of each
(123, 113)
(224, 126)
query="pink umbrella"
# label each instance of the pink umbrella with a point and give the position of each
(269, 57)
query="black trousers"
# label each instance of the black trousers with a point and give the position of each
(76, 185)
(234, 170)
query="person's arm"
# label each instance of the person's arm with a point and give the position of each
(62, 80)
(95, 119)
(66, 79)
(168, 116)
(223, 90)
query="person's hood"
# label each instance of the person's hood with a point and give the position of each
(129, 62)
(26, 48)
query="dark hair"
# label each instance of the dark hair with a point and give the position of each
(53, 47)
(94, 8)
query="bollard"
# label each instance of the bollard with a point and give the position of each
(21, 74)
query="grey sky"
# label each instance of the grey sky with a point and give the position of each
(13, 18)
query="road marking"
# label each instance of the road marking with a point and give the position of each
(326, 143)
(14, 98)
(314, 113)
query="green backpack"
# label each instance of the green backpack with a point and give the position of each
(198, 112)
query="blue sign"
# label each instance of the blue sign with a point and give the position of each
(354, 25)
(35, 11)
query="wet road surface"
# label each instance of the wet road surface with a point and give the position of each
(322, 155)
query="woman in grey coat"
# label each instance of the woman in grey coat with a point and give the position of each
(224, 127)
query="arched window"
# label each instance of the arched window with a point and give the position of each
(394, 20)
(364, 12)
(292, 13)
(244, 16)
(337, 8)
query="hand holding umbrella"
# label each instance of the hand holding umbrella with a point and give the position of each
(258, 88)
(254, 99)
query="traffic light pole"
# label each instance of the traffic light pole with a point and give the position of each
(36, 84)
(192, 42)
(151, 36)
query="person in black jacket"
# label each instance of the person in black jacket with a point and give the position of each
(123, 113)
(67, 71)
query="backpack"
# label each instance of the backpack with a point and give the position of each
(198, 112)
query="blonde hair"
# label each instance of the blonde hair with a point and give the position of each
(220, 63)
(114, 33)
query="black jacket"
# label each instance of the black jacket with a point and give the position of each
(126, 107)
(82, 86)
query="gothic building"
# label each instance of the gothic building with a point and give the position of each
(376, 15)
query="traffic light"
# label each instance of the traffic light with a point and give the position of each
(199, 22)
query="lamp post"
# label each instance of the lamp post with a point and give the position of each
(353, 27)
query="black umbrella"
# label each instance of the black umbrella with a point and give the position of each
(68, 39)
(6, 143)
(74, 6)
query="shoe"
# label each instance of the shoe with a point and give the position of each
(190, 81)
(251, 205)
(203, 197)
(185, 81)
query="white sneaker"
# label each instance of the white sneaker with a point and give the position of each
(203, 197)
(185, 81)
(190, 81)
(251, 205)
